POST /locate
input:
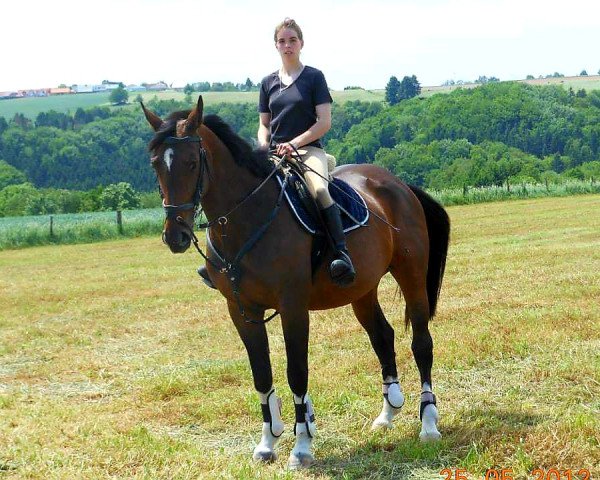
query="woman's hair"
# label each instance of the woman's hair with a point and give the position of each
(289, 23)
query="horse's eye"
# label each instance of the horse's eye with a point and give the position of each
(154, 160)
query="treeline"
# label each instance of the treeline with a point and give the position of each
(488, 135)
(61, 163)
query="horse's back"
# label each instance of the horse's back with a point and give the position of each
(396, 225)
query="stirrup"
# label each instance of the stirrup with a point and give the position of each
(341, 269)
(203, 272)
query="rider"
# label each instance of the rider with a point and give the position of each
(294, 114)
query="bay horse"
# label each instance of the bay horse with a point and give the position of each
(201, 161)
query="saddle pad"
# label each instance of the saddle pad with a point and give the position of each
(348, 199)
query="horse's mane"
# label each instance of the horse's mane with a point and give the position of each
(255, 160)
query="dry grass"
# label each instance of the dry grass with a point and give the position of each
(115, 362)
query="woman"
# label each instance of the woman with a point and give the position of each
(294, 113)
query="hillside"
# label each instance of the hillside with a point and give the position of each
(501, 133)
(31, 107)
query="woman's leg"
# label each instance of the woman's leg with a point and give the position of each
(341, 268)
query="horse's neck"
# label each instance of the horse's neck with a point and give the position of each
(229, 183)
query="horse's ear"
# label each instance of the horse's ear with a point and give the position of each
(152, 118)
(195, 117)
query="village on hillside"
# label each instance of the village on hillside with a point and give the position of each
(63, 90)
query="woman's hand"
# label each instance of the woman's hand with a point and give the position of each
(285, 149)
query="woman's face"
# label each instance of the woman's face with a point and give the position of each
(288, 44)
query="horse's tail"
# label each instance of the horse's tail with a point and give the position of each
(438, 230)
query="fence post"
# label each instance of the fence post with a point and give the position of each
(51, 226)
(120, 221)
(507, 186)
(465, 190)
(547, 187)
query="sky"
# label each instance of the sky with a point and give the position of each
(354, 42)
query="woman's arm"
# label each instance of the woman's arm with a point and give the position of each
(318, 130)
(264, 134)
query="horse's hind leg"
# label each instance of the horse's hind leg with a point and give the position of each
(413, 285)
(256, 342)
(371, 317)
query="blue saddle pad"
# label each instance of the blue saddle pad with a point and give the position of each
(353, 207)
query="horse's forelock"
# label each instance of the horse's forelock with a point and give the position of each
(168, 128)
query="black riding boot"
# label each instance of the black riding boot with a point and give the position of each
(341, 269)
(203, 272)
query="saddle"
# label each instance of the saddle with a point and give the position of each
(353, 207)
(354, 211)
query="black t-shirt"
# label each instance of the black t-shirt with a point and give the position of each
(292, 108)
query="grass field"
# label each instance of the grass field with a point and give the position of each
(30, 107)
(115, 362)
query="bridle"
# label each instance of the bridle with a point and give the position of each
(172, 211)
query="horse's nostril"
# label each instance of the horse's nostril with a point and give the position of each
(185, 238)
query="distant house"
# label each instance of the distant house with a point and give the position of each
(135, 88)
(82, 88)
(157, 86)
(35, 92)
(60, 91)
(6, 95)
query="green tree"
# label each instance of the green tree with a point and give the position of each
(583, 73)
(118, 96)
(119, 196)
(391, 91)
(188, 89)
(409, 88)
(9, 175)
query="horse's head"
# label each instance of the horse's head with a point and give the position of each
(177, 157)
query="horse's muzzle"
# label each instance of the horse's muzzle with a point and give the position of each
(178, 241)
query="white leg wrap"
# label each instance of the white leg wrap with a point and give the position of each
(393, 400)
(301, 455)
(271, 429)
(429, 416)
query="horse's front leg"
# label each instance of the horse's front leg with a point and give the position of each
(295, 323)
(256, 342)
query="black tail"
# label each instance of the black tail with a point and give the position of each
(438, 230)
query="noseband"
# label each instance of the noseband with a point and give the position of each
(172, 211)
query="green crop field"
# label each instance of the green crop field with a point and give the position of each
(30, 107)
(116, 362)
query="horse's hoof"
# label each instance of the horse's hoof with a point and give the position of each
(429, 436)
(300, 460)
(264, 456)
(381, 423)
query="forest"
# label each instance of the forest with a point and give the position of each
(490, 135)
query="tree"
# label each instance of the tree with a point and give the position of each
(188, 89)
(248, 85)
(119, 196)
(9, 175)
(583, 73)
(409, 88)
(391, 91)
(118, 96)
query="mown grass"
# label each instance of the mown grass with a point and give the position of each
(116, 362)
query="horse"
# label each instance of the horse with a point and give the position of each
(260, 259)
